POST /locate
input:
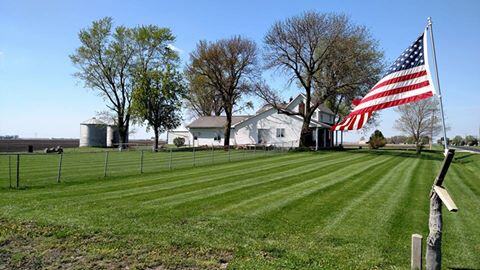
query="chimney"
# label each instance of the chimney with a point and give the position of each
(301, 107)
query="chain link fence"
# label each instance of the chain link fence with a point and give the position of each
(22, 170)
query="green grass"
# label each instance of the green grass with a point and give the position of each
(326, 210)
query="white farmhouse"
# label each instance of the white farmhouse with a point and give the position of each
(267, 127)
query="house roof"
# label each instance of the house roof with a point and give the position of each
(216, 121)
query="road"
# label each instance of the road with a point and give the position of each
(467, 148)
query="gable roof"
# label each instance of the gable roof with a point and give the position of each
(215, 121)
(321, 107)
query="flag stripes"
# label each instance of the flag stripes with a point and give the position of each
(407, 80)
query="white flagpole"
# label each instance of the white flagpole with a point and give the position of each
(430, 27)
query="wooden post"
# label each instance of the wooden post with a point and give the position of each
(18, 170)
(59, 168)
(170, 161)
(106, 165)
(433, 257)
(416, 259)
(141, 162)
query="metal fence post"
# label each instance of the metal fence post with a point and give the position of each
(9, 171)
(170, 161)
(254, 149)
(141, 162)
(59, 168)
(213, 155)
(193, 156)
(106, 165)
(18, 170)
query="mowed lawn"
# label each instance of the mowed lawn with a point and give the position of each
(325, 210)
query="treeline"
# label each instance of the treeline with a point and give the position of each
(137, 70)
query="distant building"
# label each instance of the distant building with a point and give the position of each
(266, 127)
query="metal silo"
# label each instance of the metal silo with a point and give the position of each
(93, 133)
(112, 136)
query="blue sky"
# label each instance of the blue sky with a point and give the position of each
(39, 97)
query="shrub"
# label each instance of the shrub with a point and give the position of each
(377, 140)
(179, 141)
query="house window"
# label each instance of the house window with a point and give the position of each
(217, 137)
(321, 117)
(195, 135)
(314, 115)
(280, 132)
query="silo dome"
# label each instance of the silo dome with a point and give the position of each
(93, 133)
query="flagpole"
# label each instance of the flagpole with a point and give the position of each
(430, 27)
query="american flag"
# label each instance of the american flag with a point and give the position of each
(406, 80)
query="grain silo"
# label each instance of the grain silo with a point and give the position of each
(112, 136)
(93, 133)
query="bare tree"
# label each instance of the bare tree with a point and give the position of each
(326, 56)
(202, 99)
(419, 120)
(230, 67)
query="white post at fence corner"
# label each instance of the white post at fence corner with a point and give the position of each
(416, 252)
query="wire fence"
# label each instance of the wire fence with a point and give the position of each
(26, 170)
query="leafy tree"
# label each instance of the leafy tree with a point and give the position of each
(458, 141)
(179, 141)
(104, 59)
(377, 140)
(156, 101)
(471, 140)
(158, 86)
(108, 59)
(418, 120)
(327, 56)
(229, 66)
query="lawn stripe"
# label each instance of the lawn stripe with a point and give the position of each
(281, 197)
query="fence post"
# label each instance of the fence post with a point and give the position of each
(60, 168)
(170, 161)
(18, 170)
(229, 158)
(193, 156)
(9, 171)
(141, 162)
(416, 259)
(106, 165)
(213, 155)
(244, 153)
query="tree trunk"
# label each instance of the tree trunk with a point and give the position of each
(155, 144)
(228, 125)
(433, 257)
(418, 148)
(123, 131)
(304, 133)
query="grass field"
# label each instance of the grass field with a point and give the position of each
(326, 210)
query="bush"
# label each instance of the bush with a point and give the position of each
(179, 141)
(377, 140)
